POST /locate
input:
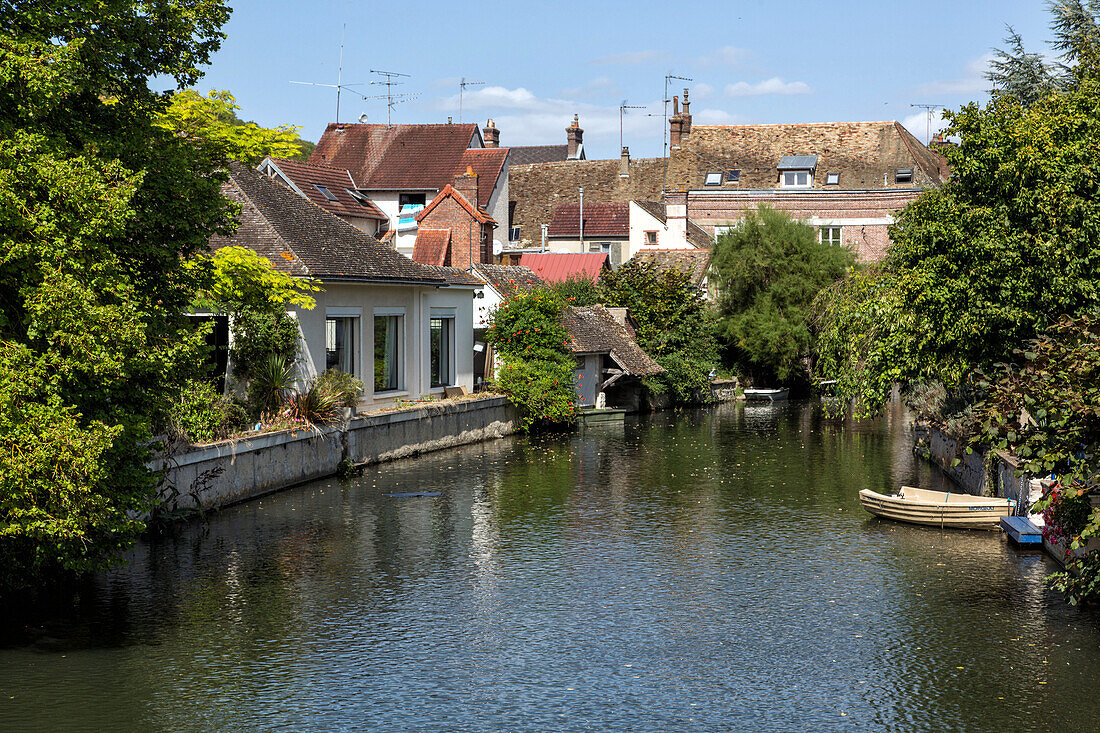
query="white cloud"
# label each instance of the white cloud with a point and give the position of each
(918, 124)
(702, 91)
(972, 81)
(631, 58)
(724, 56)
(716, 117)
(601, 86)
(775, 85)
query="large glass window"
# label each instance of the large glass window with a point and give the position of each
(387, 353)
(441, 351)
(340, 344)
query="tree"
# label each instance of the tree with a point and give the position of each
(99, 209)
(577, 290)
(213, 121)
(768, 271)
(675, 324)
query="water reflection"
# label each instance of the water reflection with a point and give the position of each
(691, 571)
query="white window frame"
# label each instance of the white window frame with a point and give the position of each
(448, 316)
(839, 235)
(714, 178)
(721, 229)
(832, 178)
(355, 315)
(402, 350)
(809, 179)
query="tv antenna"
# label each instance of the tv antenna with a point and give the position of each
(622, 110)
(928, 109)
(461, 89)
(666, 99)
(392, 100)
(339, 85)
(389, 96)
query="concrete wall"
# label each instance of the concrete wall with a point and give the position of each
(232, 471)
(974, 473)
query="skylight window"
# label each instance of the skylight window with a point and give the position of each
(359, 198)
(326, 193)
(903, 175)
(714, 178)
(832, 179)
(733, 176)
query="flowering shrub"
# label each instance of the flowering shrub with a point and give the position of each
(537, 373)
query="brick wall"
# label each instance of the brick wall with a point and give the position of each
(470, 240)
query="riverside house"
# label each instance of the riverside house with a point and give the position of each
(403, 328)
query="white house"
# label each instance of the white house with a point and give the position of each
(403, 328)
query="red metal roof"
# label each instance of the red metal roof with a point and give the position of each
(600, 220)
(431, 246)
(556, 267)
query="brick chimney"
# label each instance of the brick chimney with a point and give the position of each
(575, 135)
(491, 134)
(466, 184)
(624, 163)
(675, 124)
(685, 118)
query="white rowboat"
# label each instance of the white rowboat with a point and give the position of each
(938, 508)
(765, 395)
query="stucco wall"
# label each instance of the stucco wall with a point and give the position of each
(231, 471)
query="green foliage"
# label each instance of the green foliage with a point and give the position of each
(346, 388)
(212, 120)
(577, 290)
(316, 405)
(99, 208)
(238, 279)
(259, 335)
(768, 270)
(537, 370)
(675, 324)
(271, 384)
(201, 415)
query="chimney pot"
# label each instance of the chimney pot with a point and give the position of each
(490, 134)
(574, 135)
(675, 104)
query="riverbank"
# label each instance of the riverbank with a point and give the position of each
(216, 475)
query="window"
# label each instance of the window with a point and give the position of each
(340, 343)
(903, 175)
(733, 176)
(441, 339)
(830, 235)
(604, 247)
(411, 199)
(387, 352)
(513, 234)
(359, 198)
(797, 179)
(721, 230)
(326, 193)
(714, 178)
(651, 237)
(832, 179)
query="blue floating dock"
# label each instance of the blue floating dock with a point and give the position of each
(1022, 531)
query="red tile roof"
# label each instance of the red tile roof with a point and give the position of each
(408, 157)
(305, 178)
(449, 191)
(554, 267)
(431, 246)
(600, 220)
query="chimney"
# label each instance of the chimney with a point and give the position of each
(466, 184)
(685, 118)
(575, 135)
(624, 163)
(491, 134)
(675, 124)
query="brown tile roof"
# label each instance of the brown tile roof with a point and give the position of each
(593, 330)
(407, 157)
(693, 262)
(861, 152)
(431, 246)
(527, 154)
(454, 275)
(608, 219)
(449, 191)
(338, 182)
(302, 239)
(539, 189)
(506, 278)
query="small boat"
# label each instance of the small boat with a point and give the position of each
(766, 395)
(938, 508)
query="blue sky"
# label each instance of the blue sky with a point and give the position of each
(750, 62)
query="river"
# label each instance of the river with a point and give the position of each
(696, 571)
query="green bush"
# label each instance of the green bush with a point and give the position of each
(345, 388)
(271, 385)
(314, 406)
(257, 334)
(201, 415)
(577, 290)
(542, 389)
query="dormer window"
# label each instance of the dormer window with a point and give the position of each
(832, 179)
(326, 193)
(797, 171)
(714, 178)
(903, 175)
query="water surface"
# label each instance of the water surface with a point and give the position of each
(707, 570)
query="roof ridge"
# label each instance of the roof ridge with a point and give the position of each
(793, 124)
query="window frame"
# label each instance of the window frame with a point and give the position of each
(395, 316)
(447, 361)
(515, 233)
(803, 171)
(733, 175)
(903, 175)
(350, 319)
(329, 195)
(837, 241)
(647, 240)
(709, 180)
(832, 178)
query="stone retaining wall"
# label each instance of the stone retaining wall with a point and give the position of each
(975, 472)
(231, 471)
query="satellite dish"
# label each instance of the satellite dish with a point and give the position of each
(363, 118)
(498, 248)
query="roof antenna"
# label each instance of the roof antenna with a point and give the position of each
(389, 96)
(462, 88)
(666, 99)
(622, 110)
(338, 86)
(929, 109)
